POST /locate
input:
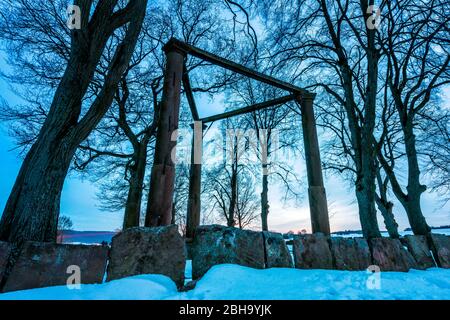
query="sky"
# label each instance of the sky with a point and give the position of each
(80, 204)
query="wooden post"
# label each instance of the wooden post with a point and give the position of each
(160, 200)
(317, 196)
(195, 178)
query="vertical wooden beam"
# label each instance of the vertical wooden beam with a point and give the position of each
(195, 178)
(189, 94)
(317, 196)
(160, 200)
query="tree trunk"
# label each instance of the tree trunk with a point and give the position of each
(367, 211)
(134, 199)
(416, 219)
(265, 200)
(32, 209)
(411, 200)
(415, 189)
(386, 206)
(361, 128)
(231, 210)
(365, 186)
(389, 219)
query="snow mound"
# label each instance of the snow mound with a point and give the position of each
(235, 282)
(240, 283)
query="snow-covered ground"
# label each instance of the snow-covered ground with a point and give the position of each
(237, 282)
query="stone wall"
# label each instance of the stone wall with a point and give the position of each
(350, 253)
(47, 264)
(215, 245)
(133, 252)
(162, 251)
(148, 251)
(440, 246)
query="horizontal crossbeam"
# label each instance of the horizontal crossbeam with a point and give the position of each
(254, 107)
(175, 44)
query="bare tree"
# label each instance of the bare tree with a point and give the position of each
(331, 43)
(32, 210)
(120, 144)
(64, 224)
(435, 145)
(357, 62)
(232, 192)
(274, 132)
(417, 67)
(228, 183)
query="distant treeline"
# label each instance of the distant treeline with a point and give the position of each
(435, 228)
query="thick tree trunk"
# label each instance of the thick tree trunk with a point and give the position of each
(361, 128)
(411, 200)
(32, 210)
(367, 211)
(385, 208)
(134, 199)
(415, 189)
(365, 186)
(366, 190)
(265, 200)
(416, 219)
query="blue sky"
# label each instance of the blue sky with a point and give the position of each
(80, 204)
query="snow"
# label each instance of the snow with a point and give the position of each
(245, 283)
(237, 282)
(445, 231)
(142, 287)
(188, 271)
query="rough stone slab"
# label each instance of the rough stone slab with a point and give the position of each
(277, 253)
(390, 255)
(216, 244)
(312, 252)
(350, 254)
(157, 250)
(418, 247)
(46, 264)
(441, 249)
(5, 252)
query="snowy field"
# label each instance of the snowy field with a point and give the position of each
(97, 237)
(236, 282)
(445, 231)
